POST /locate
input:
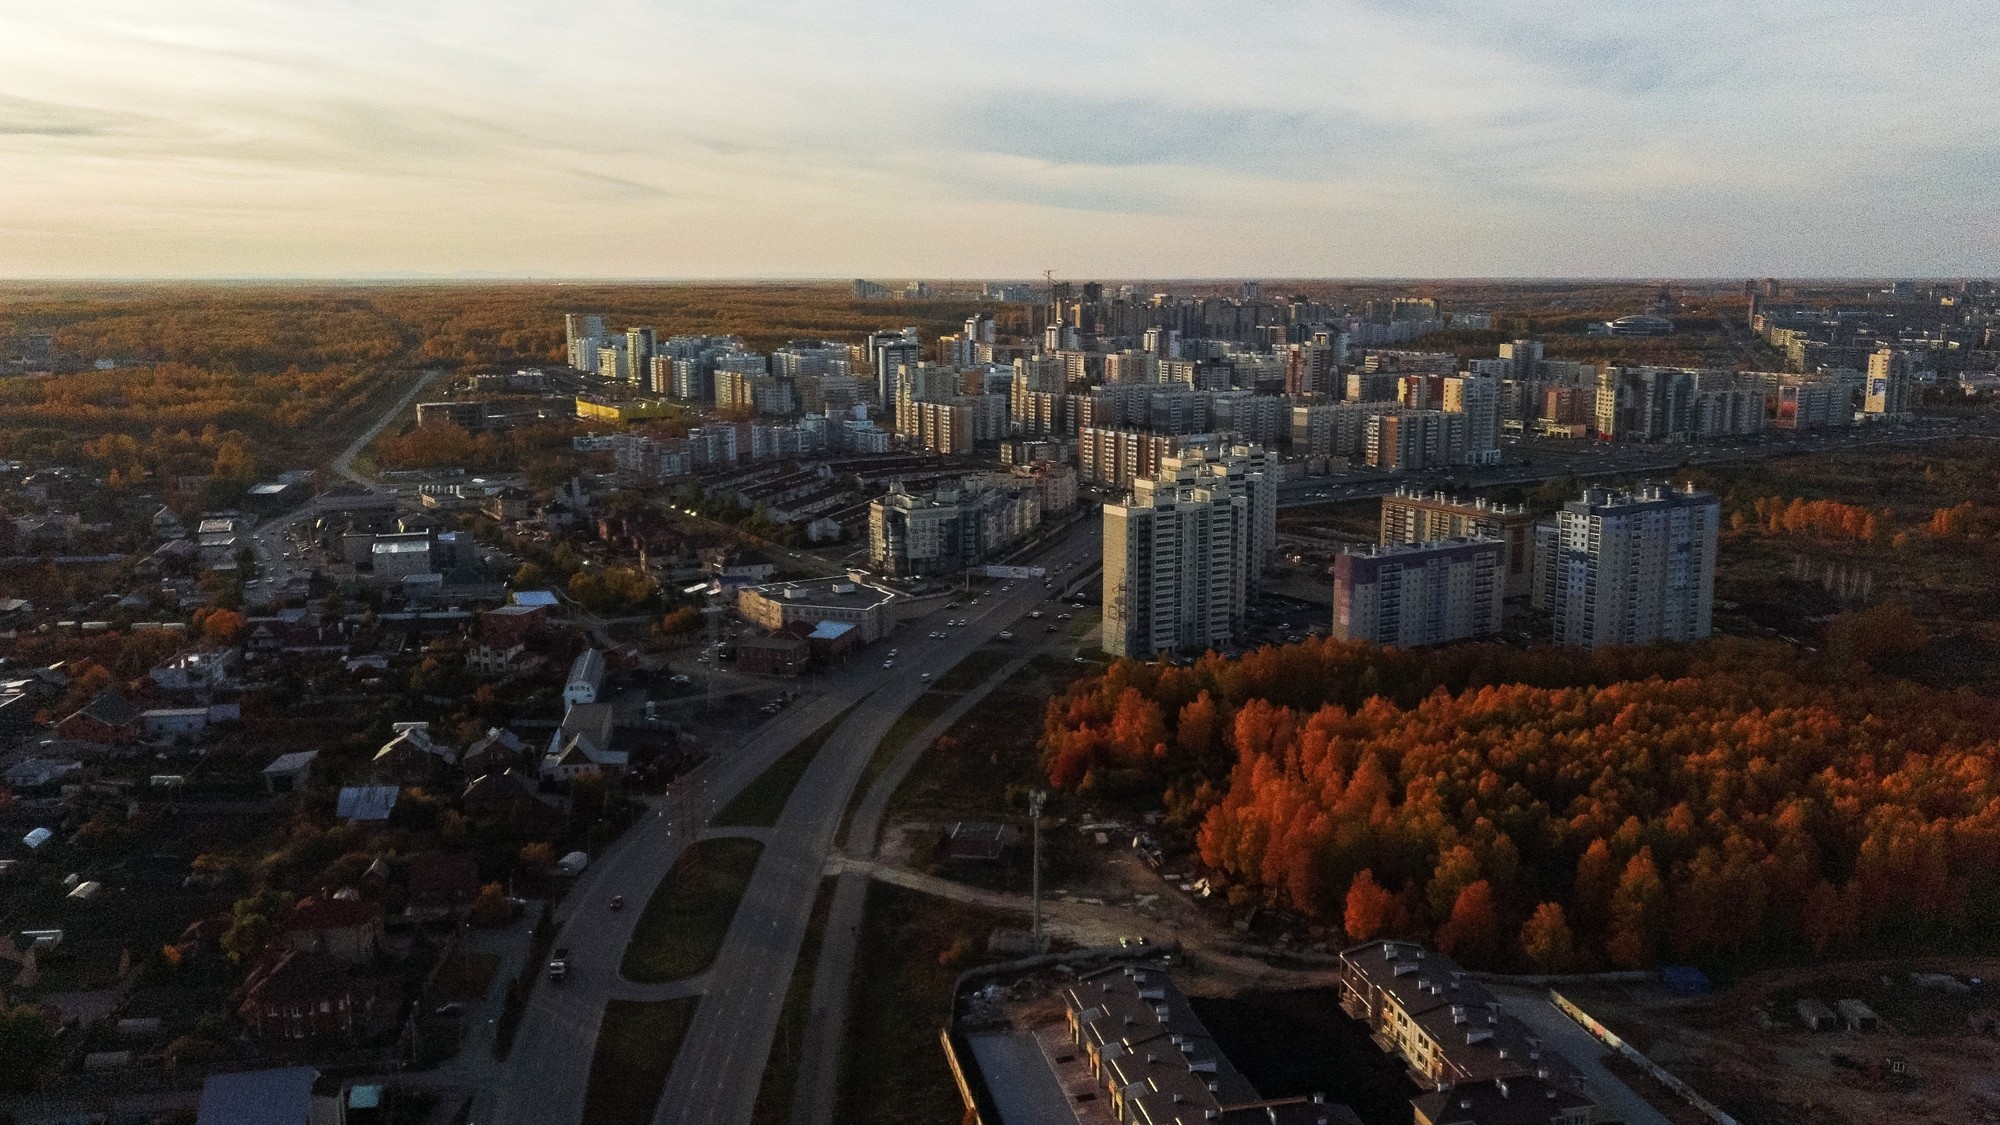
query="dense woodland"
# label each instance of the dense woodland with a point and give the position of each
(1557, 810)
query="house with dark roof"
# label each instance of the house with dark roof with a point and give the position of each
(1159, 1065)
(367, 804)
(497, 749)
(340, 925)
(310, 995)
(410, 755)
(509, 799)
(1453, 1034)
(442, 882)
(108, 720)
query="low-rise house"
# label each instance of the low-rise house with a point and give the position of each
(295, 1095)
(108, 720)
(586, 678)
(195, 672)
(779, 654)
(288, 772)
(410, 755)
(307, 995)
(34, 773)
(367, 804)
(583, 744)
(174, 722)
(494, 662)
(497, 749)
(343, 925)
(17, 713)
(508, 798)
(443, 883)
(509, 625)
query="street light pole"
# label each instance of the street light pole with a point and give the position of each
(1035, 800)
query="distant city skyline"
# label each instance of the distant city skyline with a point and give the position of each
(612, 139)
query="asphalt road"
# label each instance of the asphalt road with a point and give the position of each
(716, 1075)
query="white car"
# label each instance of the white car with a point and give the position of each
(888, 664)
(893, 653)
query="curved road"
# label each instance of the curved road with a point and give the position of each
(721, 1062)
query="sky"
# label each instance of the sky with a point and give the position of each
(948, 139)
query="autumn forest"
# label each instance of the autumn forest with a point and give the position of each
(1554, 810)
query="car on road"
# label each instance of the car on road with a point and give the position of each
(559, 964)
(923, 675)
(1005, 635)
(1062, 617)
(893, 653)
(1034, 613)
(617, 902)
(1048, 628)
(888, 664)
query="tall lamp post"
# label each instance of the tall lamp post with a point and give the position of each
(1035, 800)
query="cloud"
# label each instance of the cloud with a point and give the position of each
(1169, 138)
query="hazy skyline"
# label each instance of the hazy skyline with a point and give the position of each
(218, 138)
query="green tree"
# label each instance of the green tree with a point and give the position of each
(25, 1041)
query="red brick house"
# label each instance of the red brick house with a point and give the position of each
(347, 929)
(443, 882)
(304, 995)
(108, 720)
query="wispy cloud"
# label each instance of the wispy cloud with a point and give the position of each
(635, 137)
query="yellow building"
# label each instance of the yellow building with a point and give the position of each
(630, 411)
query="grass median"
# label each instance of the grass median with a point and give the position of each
(762, 801)
(636, 1044)
(688, 916)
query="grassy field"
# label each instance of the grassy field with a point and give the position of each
(763, 800)
(1801, 585)
(781, 1070)
(968, 674)
(685, 921)
(636, 1045)
(912, 949)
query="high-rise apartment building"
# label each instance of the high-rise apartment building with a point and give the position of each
(1887, 393)
(638, 355)
(1414, 440)
(583, 334)
(1411, 594)
(1185, 553)
(1633, 568)
(1409, 516)
(888, 351)
(1478, 399)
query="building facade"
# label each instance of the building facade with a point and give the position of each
(1410, 594)
(1633, 568)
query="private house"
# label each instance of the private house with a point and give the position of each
(108, 720)
(583, 744)
(306, 995)
(367, 804)
(410, 755)
(442, 883)
(497, 750)
(341, 925)
(288, 772)
(508, 798)
(586, 678)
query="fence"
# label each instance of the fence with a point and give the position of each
(1611, 1039)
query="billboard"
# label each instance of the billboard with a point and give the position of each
(1014, 572)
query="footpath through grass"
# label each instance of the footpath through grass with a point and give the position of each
(781, 1070)
(636, 1045)
(762, 801)
(684, 922)
(912, 948)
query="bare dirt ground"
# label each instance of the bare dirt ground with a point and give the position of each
(1745, 1047)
